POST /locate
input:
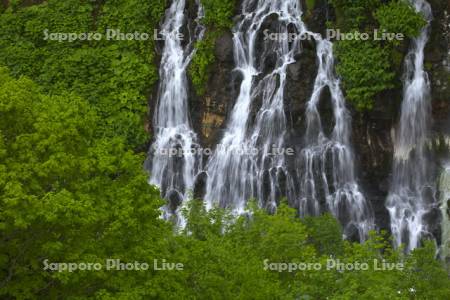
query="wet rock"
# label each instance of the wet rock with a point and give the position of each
(372, 131)
(434, 218)
(294, 70)
(351, 232)
(208, 112)
(224, 48)
(266, 188)
(174, 199)
(200, 185)
(281, 182)
(317, 15)
(299, 86)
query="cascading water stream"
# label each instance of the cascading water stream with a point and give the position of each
(412, 193)
(171, 162)
(326, 165)
(245, 164)
(256, 171)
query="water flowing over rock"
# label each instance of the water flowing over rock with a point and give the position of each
(412, 193)
(326, 165)
(172, 162)
(245, 165)
(269, 93)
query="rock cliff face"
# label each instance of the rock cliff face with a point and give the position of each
(210, 110)
(372, 131)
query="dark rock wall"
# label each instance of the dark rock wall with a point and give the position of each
(210, 110)
(437, 64)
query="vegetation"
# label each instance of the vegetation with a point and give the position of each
(218, 18)
(72, 188)
(219, 13)
(113, 76)
(199, 69)
(368, 67)
(398, 16)
(65, 194)
(221, 259)
(310, 4)
(366, 70)
(355, 14)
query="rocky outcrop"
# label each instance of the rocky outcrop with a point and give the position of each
(437, 63)
(209, 111)
(299, 86)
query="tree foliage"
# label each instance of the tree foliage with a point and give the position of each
(66, 195)
(114, 76)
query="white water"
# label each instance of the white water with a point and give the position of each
(236, 177)
(326, 165)
(412, 194)
(174, 174)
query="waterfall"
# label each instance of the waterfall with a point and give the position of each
(326, 165)
(171, 162)
(245, 164)
(411, 194)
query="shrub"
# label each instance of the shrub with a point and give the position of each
(399, 16)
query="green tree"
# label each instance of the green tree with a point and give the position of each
(66, 195)
(114, 76)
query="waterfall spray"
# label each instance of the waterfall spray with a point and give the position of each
(236, 177)
(172, 163)
(326, 165)
(412, 192)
